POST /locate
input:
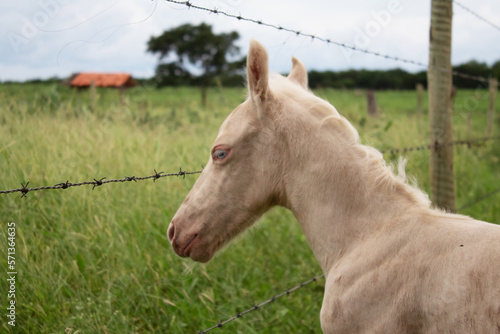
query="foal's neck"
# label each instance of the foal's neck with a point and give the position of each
(337, 198)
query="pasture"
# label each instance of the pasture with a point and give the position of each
(99, 261)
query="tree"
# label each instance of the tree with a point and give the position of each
(495, 69)
(473, 68)
(195, 55)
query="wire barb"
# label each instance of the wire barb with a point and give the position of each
(157, 175)
(24, 189)
(98, 183)
(181, 173)
(130, 178)
(64, 185)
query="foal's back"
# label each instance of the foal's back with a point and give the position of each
(465, 275)
(429, 272)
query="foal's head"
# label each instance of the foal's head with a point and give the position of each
(243, 177)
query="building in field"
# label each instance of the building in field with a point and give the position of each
(115, 80)
(120, 81)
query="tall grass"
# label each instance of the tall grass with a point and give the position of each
(99, 261)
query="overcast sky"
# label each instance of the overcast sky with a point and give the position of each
(46, 38)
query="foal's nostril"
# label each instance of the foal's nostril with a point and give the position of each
(171, 232)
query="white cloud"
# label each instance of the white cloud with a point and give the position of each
(111, 35)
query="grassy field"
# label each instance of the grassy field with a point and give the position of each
(99, 261)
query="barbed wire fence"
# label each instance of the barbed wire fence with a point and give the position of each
(470, 143)
(239, 17)
(96, 183)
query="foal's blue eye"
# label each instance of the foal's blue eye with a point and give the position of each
(220, 154)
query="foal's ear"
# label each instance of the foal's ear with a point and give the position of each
(298, 73)
(257, 71)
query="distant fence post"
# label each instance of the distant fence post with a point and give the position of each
(491, 108)
(122, 95)
(420, 100)
(469, 125)
(440, 108)
(92, 94)
(371, 103)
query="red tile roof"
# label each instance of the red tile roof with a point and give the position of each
(103, 80)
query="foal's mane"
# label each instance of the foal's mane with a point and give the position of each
(381, 174)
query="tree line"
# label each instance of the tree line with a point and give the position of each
(396, 79)
(193, 55)
(400, 79)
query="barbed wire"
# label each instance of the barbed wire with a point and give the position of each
(239, 17)
(477, 15)
(258, 306)
(479, 199)
(96, 183)
(99, 182)
(436, 145)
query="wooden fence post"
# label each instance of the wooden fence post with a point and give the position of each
(491, 107)
(420, 103)
(440, 108)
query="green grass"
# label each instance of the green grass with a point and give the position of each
(98, 261)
